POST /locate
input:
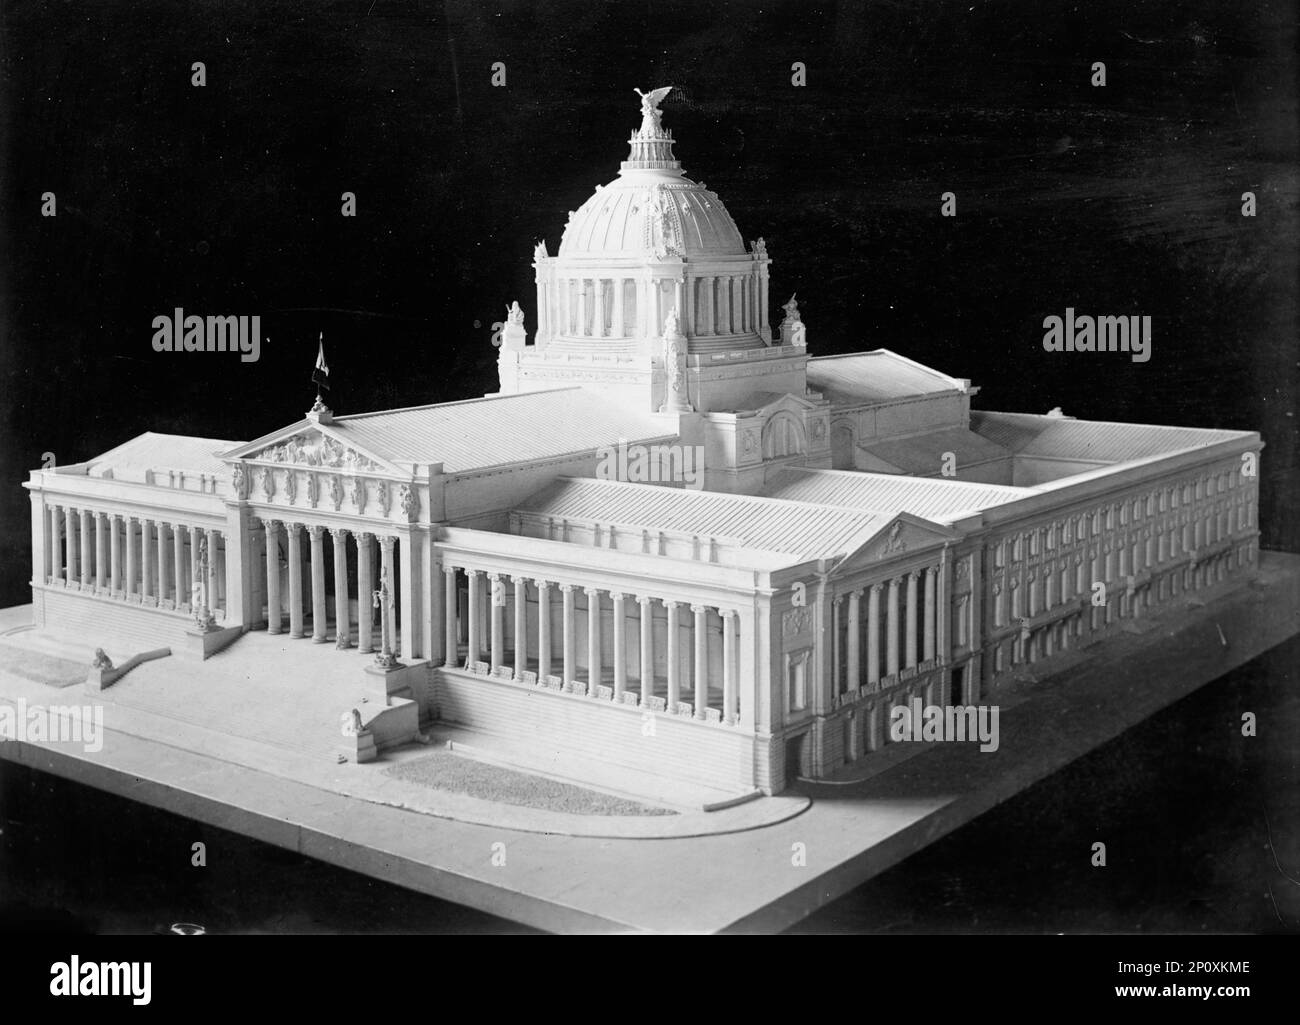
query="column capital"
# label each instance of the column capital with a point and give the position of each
(617, 595)
(876, 588)
(838, 600)
(671, 606)
(364, 537)
(728, 614)
(856, 594)
(699, 610)
(386, 544)
(340, 535)
(494, 576)
(271, 523)
(643, 601)
(543, 586)
(567, 588)
(591, 592)
(447, 567)
(316, 531)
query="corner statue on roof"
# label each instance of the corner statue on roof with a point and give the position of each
(787, 547)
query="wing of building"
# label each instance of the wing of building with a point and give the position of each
(669, 509)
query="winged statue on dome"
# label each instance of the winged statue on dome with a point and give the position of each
(650, 112)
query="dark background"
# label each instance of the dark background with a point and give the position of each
(226, 200)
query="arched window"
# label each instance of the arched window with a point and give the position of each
(783, 436)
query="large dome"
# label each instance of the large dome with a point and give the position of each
(648, 210)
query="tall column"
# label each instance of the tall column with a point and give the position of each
(730, 623)
(84, 532)
(582, 306)
(115, 582)
(836, 655)
(342, 628)
(521, 626)
(272, 577)
(146, 561)
(928, 623)
(129, 584)
(55, 531)
(647, 650)
(212, 574)
(386, 573)
(180, 597)
(163, 575)
(70, 545)
(593, 641)
(701, 659)
(873, 634)
(619, 330)
(910, 650)
(855, 640)
(619, 626)
(891, 630)
(674, 679)
(295, 578)
(474, 608)
(449, 603)
(366, 596)
(569, 638)
(497, 616)
(101, 551)
(543, 629)
(318, 613)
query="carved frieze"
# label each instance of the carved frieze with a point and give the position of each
(796, 621)
(408, 502)
(316, 449)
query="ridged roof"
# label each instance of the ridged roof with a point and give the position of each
(776, 525)
(499, 429)
(1061, 438)
(888, 493)
(642, 209)
(150, 451)
(876, 376)
(923, 454)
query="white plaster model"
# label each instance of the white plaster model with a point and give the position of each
(856, 537)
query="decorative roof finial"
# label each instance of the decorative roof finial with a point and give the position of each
(652, 144)
(650, 112)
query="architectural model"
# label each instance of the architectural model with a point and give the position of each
(676, 540)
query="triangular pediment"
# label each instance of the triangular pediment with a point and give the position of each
(898, 537)
(312, 445)
(773, 402)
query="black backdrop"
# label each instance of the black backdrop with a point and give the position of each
(225, 200)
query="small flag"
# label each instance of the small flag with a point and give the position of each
(321, 375)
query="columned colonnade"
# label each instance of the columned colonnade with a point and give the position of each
(906, 607)
(139, 559)
(299, 601)
(476, 616)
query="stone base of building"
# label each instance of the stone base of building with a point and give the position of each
(643, 740)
